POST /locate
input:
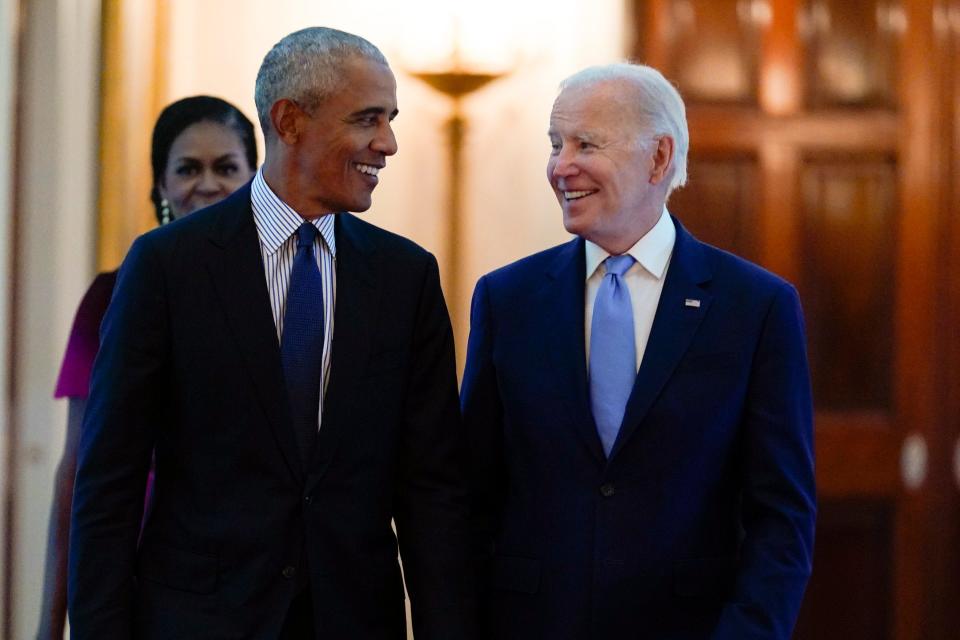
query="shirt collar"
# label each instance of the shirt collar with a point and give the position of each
(652, 251)
(276, 220)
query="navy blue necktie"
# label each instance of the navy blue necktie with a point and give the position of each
(613, 353)
(301, 344)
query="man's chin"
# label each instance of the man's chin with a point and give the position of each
(575, 225)
(361, 207)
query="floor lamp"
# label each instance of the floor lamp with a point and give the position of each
(456, 84)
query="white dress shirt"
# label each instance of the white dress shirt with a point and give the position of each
(644, 279)
(277, 225)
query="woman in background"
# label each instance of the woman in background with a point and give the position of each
(203, 149)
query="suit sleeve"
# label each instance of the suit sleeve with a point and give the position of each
(113, 460)
(483, 421)
(431, 503)
(779, 501)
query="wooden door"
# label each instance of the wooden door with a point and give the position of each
(824, 145)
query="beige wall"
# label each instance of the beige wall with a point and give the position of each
(55, 242)
(8, 24)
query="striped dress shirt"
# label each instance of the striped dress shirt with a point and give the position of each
(277, 225)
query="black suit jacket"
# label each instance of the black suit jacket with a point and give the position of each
(190, 368)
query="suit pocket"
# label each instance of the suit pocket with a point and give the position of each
(704, 577)
(177, 568)
(516, 574)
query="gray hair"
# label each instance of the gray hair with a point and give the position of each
(306, 66)
(658, 104)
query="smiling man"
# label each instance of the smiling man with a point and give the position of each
(637, 403)
(292, 367)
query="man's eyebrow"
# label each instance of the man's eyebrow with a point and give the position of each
(582, 136)
(373, 111)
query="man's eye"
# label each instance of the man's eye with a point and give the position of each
(555, 147)
(584, 146)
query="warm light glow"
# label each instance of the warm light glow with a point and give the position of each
(684, 15)
(755, 13)
(719, 74)
(820, 15)
(778, 90)
(841, 65)
(488, 37)
(891, 18)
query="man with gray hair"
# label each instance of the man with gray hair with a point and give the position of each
(292, 368)
(637, 403)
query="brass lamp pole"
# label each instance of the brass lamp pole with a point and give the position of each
(456, 84)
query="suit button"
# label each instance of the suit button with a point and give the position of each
(607, 490)
(308, 499)
(288, 572)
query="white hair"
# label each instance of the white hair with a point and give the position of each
(659, 106)
(306, 66)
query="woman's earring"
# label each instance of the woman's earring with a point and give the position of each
(165, 213)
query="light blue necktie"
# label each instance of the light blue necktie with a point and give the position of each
(613, 359)
(301, 344)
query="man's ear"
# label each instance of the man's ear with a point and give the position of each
(662, 159)
(285, 115)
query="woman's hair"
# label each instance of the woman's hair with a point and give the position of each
(180, 115)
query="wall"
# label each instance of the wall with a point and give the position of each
(8, 48)
(56, 214)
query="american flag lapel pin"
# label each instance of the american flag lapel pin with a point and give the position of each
(692, 302)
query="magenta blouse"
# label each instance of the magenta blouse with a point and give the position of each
(74, 380)
(82, 347)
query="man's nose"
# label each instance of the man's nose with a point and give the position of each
(565, 165)
(385, 141)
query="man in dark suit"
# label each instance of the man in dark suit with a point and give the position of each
(292, 368)
(637, 403)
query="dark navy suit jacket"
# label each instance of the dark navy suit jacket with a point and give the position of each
(700, 524)
(190, 367)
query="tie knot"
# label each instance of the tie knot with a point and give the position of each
(306, 234)
(618, 265)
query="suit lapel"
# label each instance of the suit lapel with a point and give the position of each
(562, 303)
(236, 268)
(674, 326)
(356, 307)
